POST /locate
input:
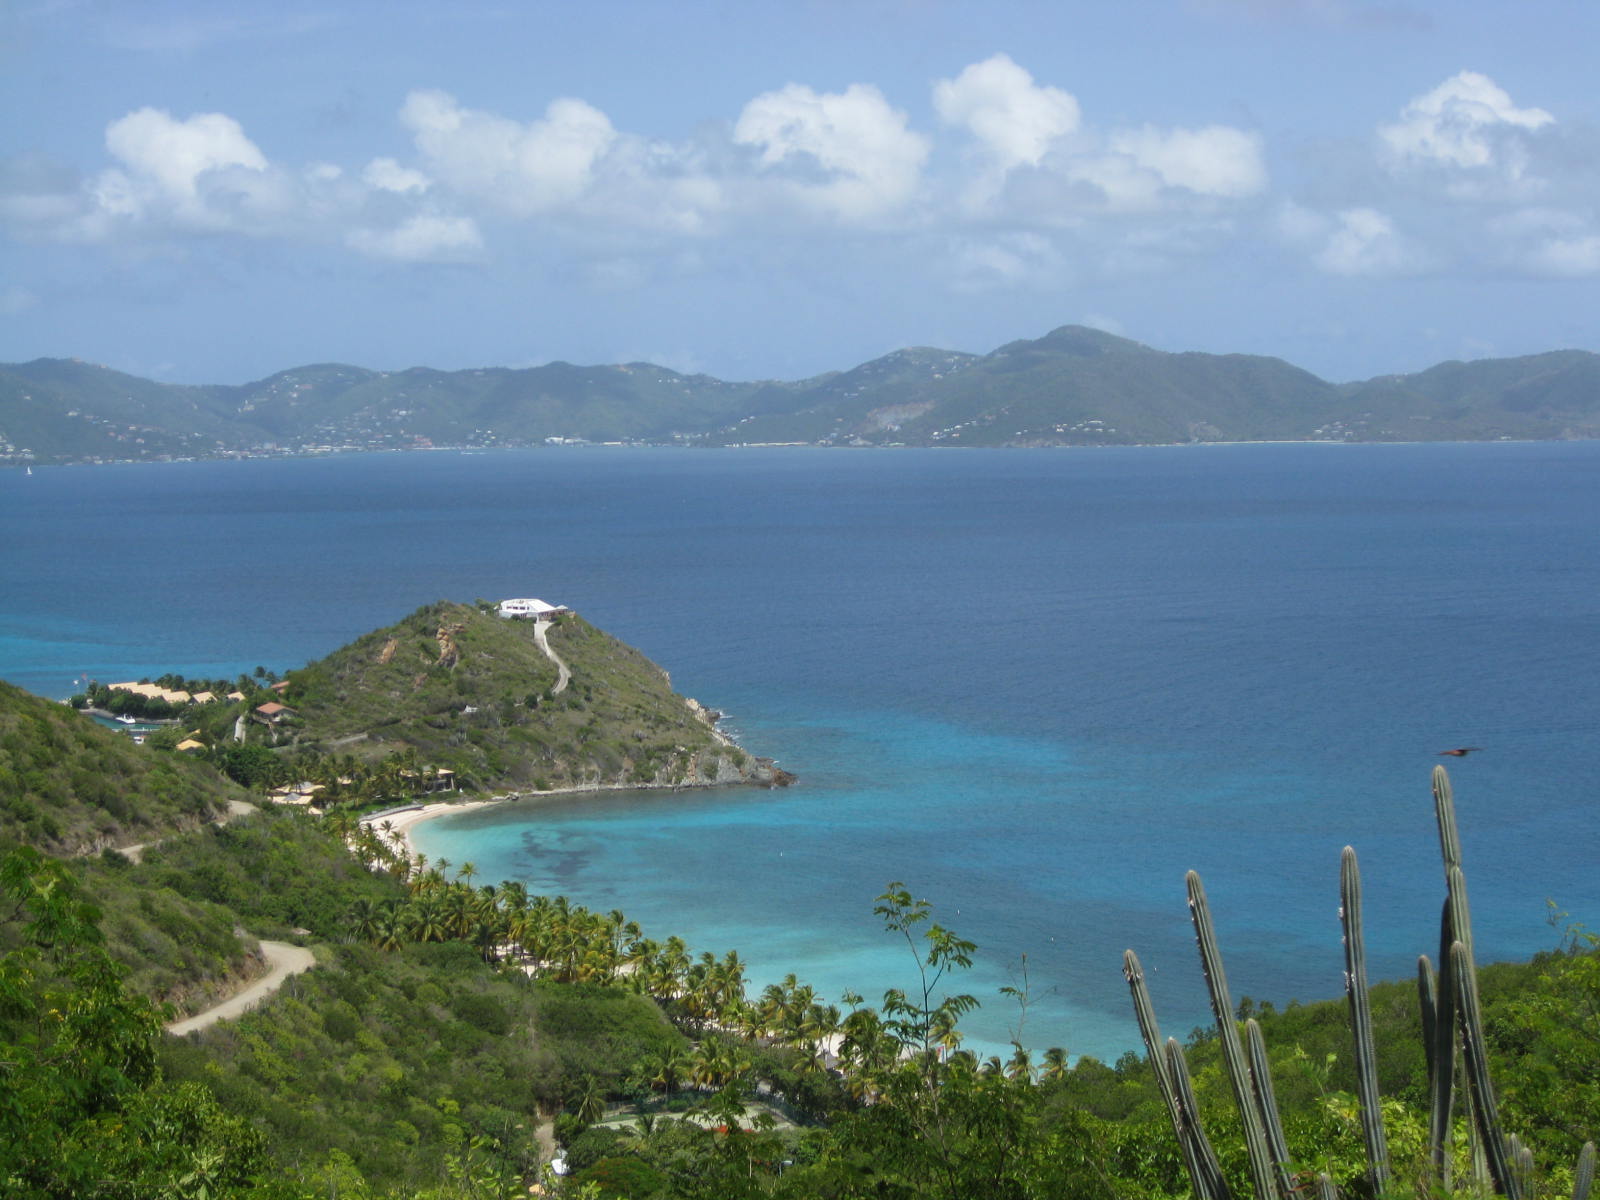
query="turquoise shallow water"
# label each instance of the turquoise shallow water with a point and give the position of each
(1035, 686)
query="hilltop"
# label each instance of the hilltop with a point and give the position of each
(459, 687)
(1072, 387)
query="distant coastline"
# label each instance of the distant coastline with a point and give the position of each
(1074, 386)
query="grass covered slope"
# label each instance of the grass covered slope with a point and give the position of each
(68, 786)
(468, 690)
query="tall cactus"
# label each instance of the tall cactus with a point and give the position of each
(1355, 986)
(1198, 1156)
(1263, 1172)
(1475, 1054)
(1451, 1019)
(1267, 1104)
(1583, 1180)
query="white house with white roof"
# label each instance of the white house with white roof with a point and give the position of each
(531, 610)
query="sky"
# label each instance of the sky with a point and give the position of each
(212, 192)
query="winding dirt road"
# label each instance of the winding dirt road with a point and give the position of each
(563, 676)
(283, 960)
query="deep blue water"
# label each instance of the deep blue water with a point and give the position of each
(1036, 686)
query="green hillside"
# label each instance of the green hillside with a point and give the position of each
(464, 689)
(1072, 387)
(68, 786)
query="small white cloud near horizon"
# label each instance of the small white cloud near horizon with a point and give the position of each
(386, 175)
(1364, 241)
(870, 160)
(422, 238)
(1571, 257)
(1104, 324)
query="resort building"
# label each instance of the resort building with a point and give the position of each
(151, 692)
(531, 610)
(272, 713)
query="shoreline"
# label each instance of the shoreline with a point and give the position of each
(402, 822)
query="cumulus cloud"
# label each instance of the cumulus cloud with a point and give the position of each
(1037, 159)
(173, 154)
(870, 162)
(389, 176)
(1461, 123)
(422, 238)
(520, 168)
(1014, 119)
(1216, 160)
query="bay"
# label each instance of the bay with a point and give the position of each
(1035, 686)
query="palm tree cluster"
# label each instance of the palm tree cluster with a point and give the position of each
(552, 938)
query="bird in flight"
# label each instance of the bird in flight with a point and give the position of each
(1459, 751)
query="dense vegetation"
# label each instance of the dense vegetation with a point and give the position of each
(67, 785)
(1074, 386)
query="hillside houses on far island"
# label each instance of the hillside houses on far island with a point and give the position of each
(530, 610)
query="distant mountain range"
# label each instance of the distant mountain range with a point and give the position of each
(1072, 387)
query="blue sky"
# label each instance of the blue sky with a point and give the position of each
(213, 192)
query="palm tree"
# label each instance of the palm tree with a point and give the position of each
(364, 918)
(391, 931)
(1056, 1065)
(428, 919)
(668, 1069)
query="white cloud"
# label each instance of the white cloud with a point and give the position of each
(521, 169)
(1216, 160)
(1461, 123)
(1571, 256)
(871, 160)
(1364, 242)
(175, 154)
(1003, 262)
(422, 238)
(1016, 120)
(389, 176)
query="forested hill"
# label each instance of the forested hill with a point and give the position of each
(1074, 386)
(460, 687)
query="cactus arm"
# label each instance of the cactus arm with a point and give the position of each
(1267, 1103)
(1583, 1177)
(1444, 811)
(1475, 1056)
(1208, 1177)
(1262, 1173)
(1355, 986)
(1198, 1156)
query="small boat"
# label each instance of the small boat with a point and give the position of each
(124, 719)
(138, 739)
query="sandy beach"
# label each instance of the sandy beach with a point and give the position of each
(396, 827)
(403, 822)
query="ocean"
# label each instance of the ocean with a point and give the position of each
(1035, 686)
